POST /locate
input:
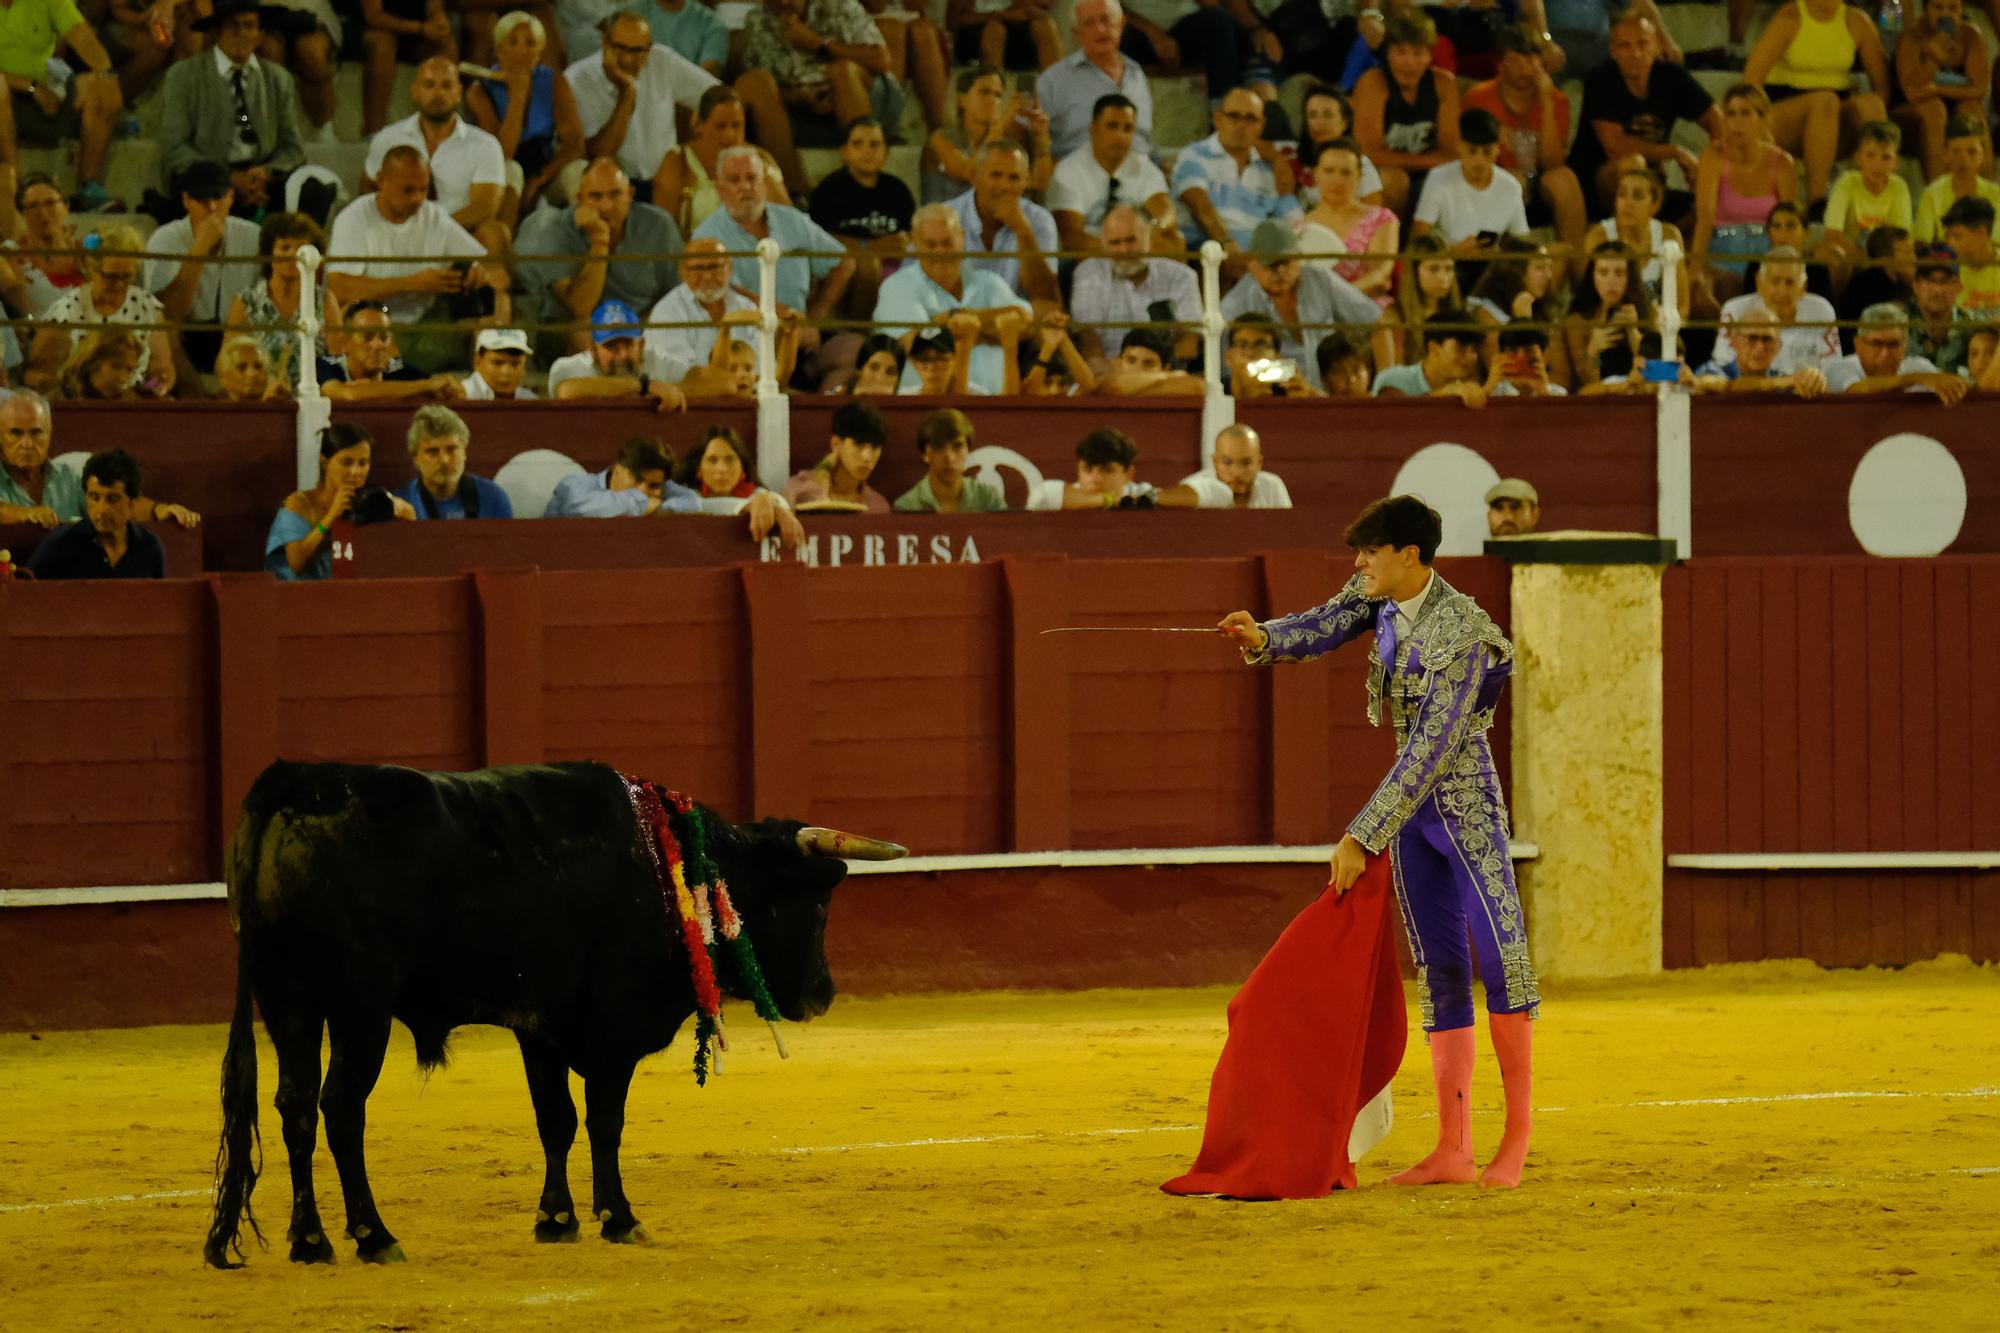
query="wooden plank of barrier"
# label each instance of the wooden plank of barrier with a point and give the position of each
(1038, 714)
(780, 612)
(1952, 647)
(510, 679)
(246, 657)
(1301, 711)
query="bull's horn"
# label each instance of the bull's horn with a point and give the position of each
(848, 846)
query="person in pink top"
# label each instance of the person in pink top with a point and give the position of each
(1341, 222)
(1742, 175)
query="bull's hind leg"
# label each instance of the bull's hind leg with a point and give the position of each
(295, 1028)
(351, 1071)
(604, 1090)
(555, 1118)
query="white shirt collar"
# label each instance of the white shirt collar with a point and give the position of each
(222, 65)
(1415, 605)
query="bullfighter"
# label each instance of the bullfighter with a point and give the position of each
(1437, 666)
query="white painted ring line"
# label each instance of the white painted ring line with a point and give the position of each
(106, 1200)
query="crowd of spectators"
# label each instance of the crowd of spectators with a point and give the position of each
(572, 210)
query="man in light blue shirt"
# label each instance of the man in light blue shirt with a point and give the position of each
(633, 486)
(1069, 89)
(813, 284)
(1881, 361)
(691, 28)
(1234, 179)
(1450, 368)
(940, 282)
(1305, 303)
(996, 217)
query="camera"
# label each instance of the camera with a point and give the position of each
(371, 504)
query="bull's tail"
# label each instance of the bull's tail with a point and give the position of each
(239, 1157)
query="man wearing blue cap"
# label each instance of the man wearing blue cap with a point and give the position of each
(613, 365)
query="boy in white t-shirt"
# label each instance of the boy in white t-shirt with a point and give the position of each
(1470, 203)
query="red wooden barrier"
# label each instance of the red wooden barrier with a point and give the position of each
(1831, 706)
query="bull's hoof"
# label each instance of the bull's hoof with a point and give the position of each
(628, 1232)
(312, 1248)
(562, 1229)
(391, 1253)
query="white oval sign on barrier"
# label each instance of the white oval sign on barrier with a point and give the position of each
(1907, 497)
(1453, 480)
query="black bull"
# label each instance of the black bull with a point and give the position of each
(519, 897)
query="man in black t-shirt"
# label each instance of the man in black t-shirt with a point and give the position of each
(105, 543)
(1630, 107)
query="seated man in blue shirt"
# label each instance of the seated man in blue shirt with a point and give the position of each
(815, 268)
(105, 543)
(633, 486)
(442, 487)
(940, 284)
(1450, 368)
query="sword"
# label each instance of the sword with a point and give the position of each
(1133, 629)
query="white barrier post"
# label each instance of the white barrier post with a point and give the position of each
(1218, 409)
(1673, 422)
(774, 419)
(315, 409)
(309, 323)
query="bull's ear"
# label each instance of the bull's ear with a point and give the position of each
(815, 841)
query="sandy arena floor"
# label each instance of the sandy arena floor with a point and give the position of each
(1773, 1146)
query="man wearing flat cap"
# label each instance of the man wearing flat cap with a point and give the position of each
(1512, 508)
(1306, 303)
(228, 106)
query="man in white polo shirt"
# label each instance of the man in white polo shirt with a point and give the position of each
(1069, 89)
(625, 96)
(466, 163)
(1106, 172)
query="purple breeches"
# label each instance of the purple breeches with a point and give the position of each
(1455, 885)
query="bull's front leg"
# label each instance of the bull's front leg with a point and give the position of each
(604, 1090)
(555, 1118)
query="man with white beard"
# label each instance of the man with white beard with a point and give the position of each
(705, 297)
(1128, 287)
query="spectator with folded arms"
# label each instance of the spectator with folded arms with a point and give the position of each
(1450, 367)
(840, 480)
(1236, 478)
(1144, 369)
(1754, 338)
(632, 487)
(438, 438)
(945, 440)
(1881, 360)
(612, 366)
(297, 548)
(105, 543)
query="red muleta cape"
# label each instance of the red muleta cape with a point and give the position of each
(1316, 1033)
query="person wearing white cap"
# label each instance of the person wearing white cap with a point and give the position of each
(1512, 508)
(499, 360)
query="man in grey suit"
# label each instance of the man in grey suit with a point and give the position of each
(226, 105)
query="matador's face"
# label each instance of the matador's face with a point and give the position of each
(1384, 568)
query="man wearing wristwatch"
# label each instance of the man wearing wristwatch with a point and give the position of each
(46, 114)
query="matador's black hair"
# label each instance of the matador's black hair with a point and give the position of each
(1398, 521)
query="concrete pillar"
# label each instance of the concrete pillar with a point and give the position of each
(1589, 746)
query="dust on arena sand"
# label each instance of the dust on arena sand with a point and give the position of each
(1769, 1143)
